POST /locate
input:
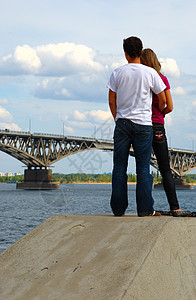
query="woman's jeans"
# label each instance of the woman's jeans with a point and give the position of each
(126, 134)
(160, 148)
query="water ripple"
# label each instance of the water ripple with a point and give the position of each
(23, 210)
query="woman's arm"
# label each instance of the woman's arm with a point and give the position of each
(169, 103)
(112, 103)
(162, 100)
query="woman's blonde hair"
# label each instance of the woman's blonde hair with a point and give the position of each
(149, 58)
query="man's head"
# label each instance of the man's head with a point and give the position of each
(133, 46)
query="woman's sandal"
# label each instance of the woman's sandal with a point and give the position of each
(177, 213)
(181, 213)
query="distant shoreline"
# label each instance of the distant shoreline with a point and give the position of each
(90, 182)
(83, 182)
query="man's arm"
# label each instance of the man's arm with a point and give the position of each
(162, 100)
(112, 103)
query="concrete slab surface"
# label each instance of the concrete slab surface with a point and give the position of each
(102, 257)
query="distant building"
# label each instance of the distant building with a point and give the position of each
(9, 174)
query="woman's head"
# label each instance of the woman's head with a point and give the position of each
(149, 58)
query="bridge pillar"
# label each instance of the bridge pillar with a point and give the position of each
(38, 179)
(180, 184)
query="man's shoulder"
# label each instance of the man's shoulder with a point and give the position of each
(127, 67)
(120, 68)
(148, 69)
(145, 69)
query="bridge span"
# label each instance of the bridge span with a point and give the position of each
(40, 151)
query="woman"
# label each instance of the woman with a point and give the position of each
(160, 146)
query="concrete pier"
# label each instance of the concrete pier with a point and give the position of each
(102, 257)
(38, 179)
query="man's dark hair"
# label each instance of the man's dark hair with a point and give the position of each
(133, 46)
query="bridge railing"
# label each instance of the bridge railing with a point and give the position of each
(52, 135)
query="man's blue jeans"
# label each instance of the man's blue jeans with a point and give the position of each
(127, 133)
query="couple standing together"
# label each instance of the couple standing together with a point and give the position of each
(139, 98)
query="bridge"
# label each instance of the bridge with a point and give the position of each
(40, 151)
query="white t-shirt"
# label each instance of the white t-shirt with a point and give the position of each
(133, 84)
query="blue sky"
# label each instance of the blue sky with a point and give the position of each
(56, 58)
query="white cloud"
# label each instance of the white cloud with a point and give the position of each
(79, 124)
(79, 116)
(179, 91)
(26, 57)
(52, 59)
(68, 129)
(7, 58)
(74, 87)
(100, 115)
(89, 119)
(68, 56)
(10, 126)
(44, 83)
(62, 93)
(97, 116)
(6, 119)
(5, 115)
(169, 67)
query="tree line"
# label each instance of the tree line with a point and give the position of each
(107, 178)
(93, 178)
(88, 178)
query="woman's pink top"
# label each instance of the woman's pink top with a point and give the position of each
(157, 116)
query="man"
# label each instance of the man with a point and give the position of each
(130, 101)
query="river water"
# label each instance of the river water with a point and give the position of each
(23, 210)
